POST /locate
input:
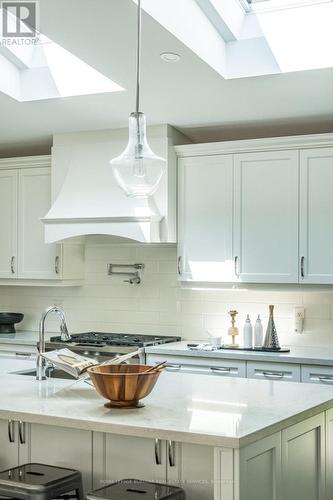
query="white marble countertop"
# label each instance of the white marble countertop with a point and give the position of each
(228, 412)
(302, 355)
(22, 338)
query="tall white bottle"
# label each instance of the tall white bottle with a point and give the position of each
(248, 333)
(258, 333)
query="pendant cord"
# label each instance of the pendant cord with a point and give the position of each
(138, 59)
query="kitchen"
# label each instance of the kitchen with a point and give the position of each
(235, 217)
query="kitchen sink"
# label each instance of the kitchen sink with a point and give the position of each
(50, 373)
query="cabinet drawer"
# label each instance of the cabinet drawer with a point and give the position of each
(314, 374)
(274, 371)
(198, 365)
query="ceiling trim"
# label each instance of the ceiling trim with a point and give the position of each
(249, 145)
(25, 162)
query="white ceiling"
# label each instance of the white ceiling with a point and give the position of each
(189, 95)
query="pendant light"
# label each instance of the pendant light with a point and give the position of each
(138, 170)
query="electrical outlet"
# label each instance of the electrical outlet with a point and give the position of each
(299, 313)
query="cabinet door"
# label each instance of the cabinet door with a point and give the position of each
(9, 444)
(191, 467)
(303, 460)
(266, 217)
(260, 470)
(205, 219)
(316, 210)
(8, 223)
(134, 458)
(63, 447)
(329, 454)
(37, 260)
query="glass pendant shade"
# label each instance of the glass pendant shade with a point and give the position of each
(138, 170)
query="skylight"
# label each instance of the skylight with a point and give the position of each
(44, 70)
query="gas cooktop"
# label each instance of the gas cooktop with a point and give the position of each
(116, 339)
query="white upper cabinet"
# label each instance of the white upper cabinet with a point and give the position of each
(205, 219)
(25, 258)
(36, 259)
(266, 217)
(316, 214)
(8, 223)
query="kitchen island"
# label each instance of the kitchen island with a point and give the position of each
(223, 439)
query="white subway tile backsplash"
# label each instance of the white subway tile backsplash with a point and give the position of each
(160, 306)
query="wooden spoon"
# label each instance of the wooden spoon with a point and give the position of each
(160, 366)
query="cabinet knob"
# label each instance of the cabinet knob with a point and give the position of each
(12, 264)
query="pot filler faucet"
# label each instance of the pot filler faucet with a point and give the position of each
(41, 362)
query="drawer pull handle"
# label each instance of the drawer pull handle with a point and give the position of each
(173, 367)
(11, 431)
(236, 266)
(158, 460)
(274, 374)
(56, 265)
(22, 432)
(220, 369)
(179, 265)
(171, 453)
(12, 265)
(325, 379)
(302, 267)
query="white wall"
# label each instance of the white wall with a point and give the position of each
(159, 305)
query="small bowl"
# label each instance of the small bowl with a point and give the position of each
(123, 385)
(8, 321)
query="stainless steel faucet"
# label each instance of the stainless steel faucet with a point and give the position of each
(41, 362)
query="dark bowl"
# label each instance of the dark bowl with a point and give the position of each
(8, 321)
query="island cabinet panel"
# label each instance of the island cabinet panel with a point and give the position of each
(266, 217)
(62, 447)
(260, 470)
(9, 453)
(191, 467)
(133, 457)
(316, 208)
(329, 454)
(205, 219)
(303, 460)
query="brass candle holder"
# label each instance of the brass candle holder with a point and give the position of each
(233, 330)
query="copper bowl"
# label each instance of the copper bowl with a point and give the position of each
(123, 385)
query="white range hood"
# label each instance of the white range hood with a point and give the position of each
(88, 201)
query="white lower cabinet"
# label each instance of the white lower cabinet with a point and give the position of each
(260, 470)
(203, 366)
(286, 372)
(329, 454)
(289, 465)
(62, 447)
(303, 460)
(188, 466)
(314, 374)
(9, 453)
(191, 467)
